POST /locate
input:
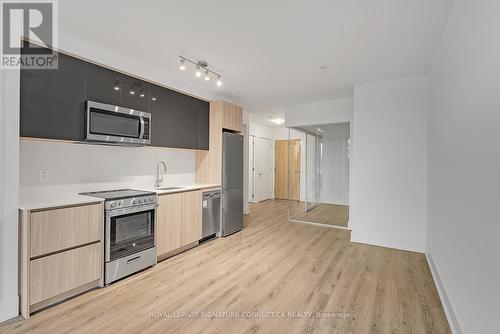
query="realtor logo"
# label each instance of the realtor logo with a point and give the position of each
(29, 33)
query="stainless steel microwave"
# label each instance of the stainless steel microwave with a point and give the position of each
(110, 124)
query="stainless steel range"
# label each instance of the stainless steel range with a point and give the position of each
(129, 229)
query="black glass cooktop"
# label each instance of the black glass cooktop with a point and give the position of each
(118, 194)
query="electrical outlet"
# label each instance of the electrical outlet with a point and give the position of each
(44, 175)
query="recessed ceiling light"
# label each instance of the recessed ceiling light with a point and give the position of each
(277, 121)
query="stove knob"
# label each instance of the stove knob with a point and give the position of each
(112, 204)
(134, 201)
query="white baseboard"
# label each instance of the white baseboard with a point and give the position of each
(445, 301)
(388, 241)
(9, 308)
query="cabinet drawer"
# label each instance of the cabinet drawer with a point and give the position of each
(59, 229)
(55, 274)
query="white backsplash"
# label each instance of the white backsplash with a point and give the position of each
(82, 167)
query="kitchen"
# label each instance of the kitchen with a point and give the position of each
(103, 215)
(249, 167)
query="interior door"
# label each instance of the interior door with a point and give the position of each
(287, 169)
(263, 175)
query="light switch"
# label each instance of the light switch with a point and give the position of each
(44, 175)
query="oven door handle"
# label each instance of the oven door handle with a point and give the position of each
(124, 211)
(107, 241)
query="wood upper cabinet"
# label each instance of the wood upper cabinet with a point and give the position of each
(223, 115)
(232, 117)
(179, 221)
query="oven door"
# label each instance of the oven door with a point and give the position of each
(129, 231)
(113, 124)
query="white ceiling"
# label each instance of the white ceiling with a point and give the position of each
(269, 52)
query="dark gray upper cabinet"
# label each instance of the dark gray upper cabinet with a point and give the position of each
(134, 94)
(174, 120)
(103, 85)
(52, 101)
(53, 104)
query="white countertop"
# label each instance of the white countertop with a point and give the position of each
(52, 197)
(55, 200)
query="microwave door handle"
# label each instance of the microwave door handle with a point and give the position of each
(141, 135)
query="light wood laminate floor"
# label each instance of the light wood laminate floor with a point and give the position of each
(270, 266)
(324, 213)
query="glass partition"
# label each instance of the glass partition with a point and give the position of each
(318, 174)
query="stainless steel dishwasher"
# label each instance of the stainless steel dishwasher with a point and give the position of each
(211, 213)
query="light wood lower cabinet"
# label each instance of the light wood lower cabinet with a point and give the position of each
(55, 230)
(60, 254)
(179, 221)
(55, 274)
(169, 225)
(191, 223)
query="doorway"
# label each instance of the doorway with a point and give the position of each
(287, 170)
(261, 165)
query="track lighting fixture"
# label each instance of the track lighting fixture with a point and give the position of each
(182, 66)
(199, 67)
(197, 72)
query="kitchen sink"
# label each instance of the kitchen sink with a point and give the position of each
(169, 188)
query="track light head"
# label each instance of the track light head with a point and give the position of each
(182, 65)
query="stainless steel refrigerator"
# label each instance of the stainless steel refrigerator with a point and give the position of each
(232, 183)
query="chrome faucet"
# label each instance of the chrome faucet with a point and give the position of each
(159, 180)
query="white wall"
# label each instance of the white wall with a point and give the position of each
(389, 164)
(9, 189)
(82, 167)
(262, 131)
(322, 112)
(464, 165)
(335, 164)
